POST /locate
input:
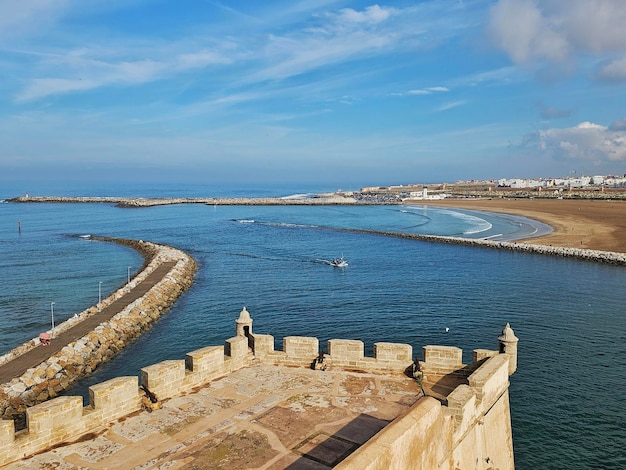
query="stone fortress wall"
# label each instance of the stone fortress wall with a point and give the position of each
(79, 358)
(469, 428)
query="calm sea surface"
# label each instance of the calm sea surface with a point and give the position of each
(566, 397)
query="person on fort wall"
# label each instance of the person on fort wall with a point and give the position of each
(319, 362)
(418, 375)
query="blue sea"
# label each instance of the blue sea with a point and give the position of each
(566, 397)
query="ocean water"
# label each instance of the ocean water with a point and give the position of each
(566, 397)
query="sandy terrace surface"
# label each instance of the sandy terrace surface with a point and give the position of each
(260, 417)
(595, 225)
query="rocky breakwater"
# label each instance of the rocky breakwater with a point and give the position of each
(316, 200)
(80, 358)
(607, 257)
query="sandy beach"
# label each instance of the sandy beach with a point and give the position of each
(595, 225)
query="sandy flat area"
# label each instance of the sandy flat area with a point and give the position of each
(594, 225)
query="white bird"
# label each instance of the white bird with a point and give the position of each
(447, 329)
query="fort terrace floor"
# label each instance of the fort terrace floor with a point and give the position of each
(260, 416)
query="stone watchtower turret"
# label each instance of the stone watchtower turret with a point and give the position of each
(244, 324)
(508, 345)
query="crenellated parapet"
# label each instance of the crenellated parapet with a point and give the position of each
(444, 433)
(65, 419)
(342, 354)
(469, 426)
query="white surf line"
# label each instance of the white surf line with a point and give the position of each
(492, 236)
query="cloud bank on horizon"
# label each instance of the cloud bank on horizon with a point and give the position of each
(337, 91)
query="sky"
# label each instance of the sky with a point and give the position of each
(342, 92)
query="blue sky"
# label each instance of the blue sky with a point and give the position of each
(341, 92)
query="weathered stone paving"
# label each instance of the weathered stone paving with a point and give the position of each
(259, 416)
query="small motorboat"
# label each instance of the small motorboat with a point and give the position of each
(339, 262)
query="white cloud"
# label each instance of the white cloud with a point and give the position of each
(619, 125)
(372, 14)
(91, 74)
(29, 15)
(520, 29)
(274, 44)
(86, 69)
(290, 56)
(350, 35)
(614, 71)
(428, 91)
(534, 32)
(452, 104)
(586, 141)
(550, 112)
(41, 87)
(488, 77)
(202, 59)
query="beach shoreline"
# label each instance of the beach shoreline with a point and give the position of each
(576, 223)
(582, 224)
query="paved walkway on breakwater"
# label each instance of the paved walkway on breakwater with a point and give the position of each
(36, 356)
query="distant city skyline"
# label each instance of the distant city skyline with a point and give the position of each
(349, 93)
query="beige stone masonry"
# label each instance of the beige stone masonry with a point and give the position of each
(480, 355)
(393, 352)
(58, 419)
(164, 379)
(236, 347)
(111, 392)
(111, 400)
(206, 359)
(491, 379)
(7, 433)
(474, 428)
(462, 408)
(411, 441)
(262, 345)
(65, 418)
(441, 360)
(430, 435)
(346, 350)
(301, 347)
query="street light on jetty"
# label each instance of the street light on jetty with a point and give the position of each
(128, 282)
(99, 293)
(52, 313)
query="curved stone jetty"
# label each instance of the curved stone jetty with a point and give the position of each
(32, 373)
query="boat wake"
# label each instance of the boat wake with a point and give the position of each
(275, 224)
(337, 262)
(278, 259)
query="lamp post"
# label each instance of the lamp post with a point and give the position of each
(128, 282)
(99, 293)
(52, 313)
